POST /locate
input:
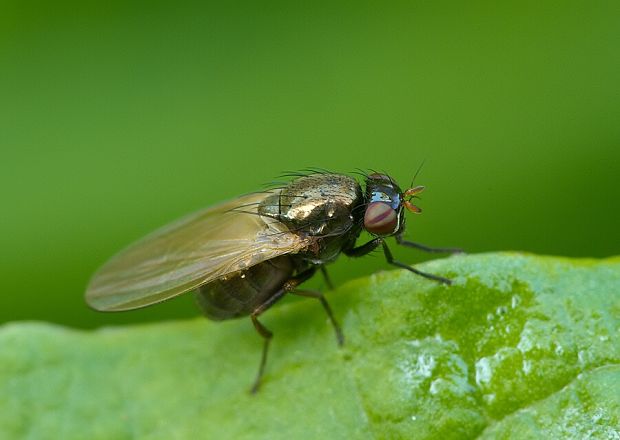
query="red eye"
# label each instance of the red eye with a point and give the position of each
(380, 219)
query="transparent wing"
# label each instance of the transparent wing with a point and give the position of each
(192, 251)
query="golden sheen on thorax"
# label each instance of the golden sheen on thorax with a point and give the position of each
(242, 256)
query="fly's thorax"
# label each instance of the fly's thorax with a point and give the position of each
(325, 207)
(317, 204)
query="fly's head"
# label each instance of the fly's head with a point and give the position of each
(385, 204)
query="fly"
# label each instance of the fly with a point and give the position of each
(242, 256)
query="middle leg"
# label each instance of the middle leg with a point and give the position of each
(328, 310)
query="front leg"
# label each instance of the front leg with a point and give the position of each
(401, 241)
(370, 246)
(390, 259)
(364, 249)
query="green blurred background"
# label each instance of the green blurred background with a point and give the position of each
(117, 118)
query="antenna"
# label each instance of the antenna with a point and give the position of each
(417, 172)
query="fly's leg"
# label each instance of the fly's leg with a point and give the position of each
(370, 246)
(390, 259)
(267, 335)
(328, 310)
(263, 331)
(364, 249)
(401, 241)
(327, 279)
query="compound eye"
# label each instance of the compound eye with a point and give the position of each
(380, 219)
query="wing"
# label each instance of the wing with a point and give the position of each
(192, 251)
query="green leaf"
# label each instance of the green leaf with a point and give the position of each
(519, 346)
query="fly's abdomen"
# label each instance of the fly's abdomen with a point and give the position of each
(239, 293)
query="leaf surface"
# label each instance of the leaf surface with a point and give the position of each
(520, 346)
